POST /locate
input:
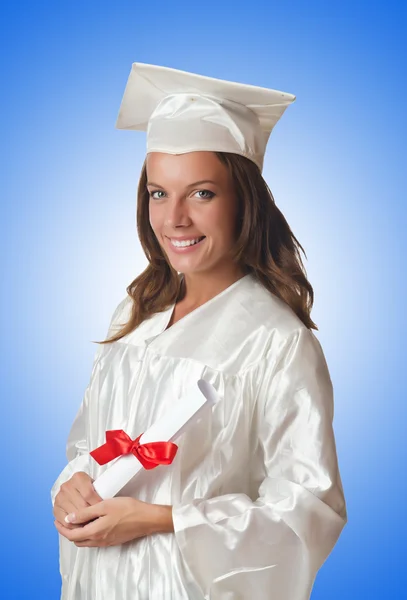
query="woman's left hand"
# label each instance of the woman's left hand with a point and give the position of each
(116, 521)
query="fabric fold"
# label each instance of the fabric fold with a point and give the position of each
(281, 539)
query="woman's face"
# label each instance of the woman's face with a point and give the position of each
(193, 210)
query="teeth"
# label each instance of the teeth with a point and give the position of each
(185, 243)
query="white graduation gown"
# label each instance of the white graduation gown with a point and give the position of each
(257, 497)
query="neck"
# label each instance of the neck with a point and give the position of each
(201, 287)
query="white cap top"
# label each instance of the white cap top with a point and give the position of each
(185, 112)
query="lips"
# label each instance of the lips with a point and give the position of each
(186, 243)
(185, 246)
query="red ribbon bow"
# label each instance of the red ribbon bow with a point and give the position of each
(150, 455)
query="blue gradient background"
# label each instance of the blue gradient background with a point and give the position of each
(69, 246)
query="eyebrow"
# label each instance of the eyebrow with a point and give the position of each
(188, 186)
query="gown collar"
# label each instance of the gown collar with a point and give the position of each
(160, 320)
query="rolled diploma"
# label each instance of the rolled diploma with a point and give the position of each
(201, 395)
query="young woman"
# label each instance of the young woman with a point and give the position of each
(253, 503)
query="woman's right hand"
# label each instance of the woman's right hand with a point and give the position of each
(78, 492)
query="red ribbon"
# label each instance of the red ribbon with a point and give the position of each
(150, 455)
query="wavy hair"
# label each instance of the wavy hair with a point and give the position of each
(265, 246)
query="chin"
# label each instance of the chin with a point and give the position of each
(186, 269)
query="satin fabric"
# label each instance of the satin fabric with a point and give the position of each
(186, 112)
(257, 497)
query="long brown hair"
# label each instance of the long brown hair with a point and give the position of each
(265, 246)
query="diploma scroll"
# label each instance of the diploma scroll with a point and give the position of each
(198, 398)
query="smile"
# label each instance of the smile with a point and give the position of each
(186, 243)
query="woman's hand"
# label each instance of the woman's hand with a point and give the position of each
(75, 494)
(116, 521)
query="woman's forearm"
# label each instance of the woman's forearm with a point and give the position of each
(162, 519)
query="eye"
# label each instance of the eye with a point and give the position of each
(156, 192)
(208, 194)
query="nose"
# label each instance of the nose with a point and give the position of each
(177, 213)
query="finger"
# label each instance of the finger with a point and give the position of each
(84, 515)
(65, 529)
(81, 533)
(64, 505)
(69, 498)
(60, 514)
(76, 498)
(87, 491)
(89, 544)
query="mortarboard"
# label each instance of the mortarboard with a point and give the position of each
(185, 112)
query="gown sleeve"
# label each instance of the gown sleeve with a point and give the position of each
(77, 451)
(272, 546)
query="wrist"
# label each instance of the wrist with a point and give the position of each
(163, 522)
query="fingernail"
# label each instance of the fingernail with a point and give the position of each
(70, 518)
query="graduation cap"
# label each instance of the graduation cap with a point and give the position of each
(186, 112)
